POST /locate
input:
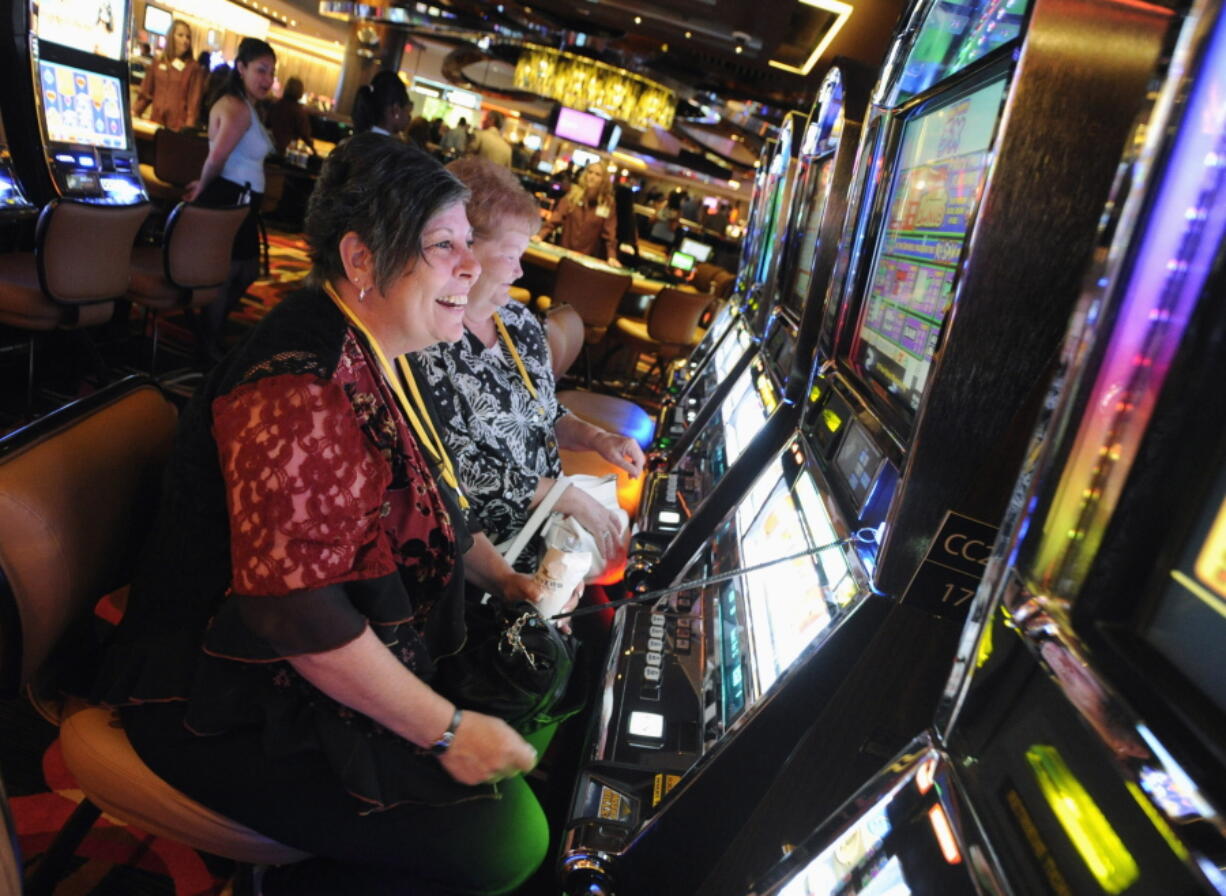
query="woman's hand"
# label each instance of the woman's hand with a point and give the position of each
(519, 586)
(604, 524)
(192, 191)
(621, 451)
(486, 750)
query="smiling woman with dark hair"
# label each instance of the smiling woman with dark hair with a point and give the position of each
(308, 566)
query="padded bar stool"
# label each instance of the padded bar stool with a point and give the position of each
(189, 268)
(177, 160)
(671, 327)
(77, 494)
(78, 268)
(595, 294)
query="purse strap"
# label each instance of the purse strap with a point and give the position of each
(512, 549)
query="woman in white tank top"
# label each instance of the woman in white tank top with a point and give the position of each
(233, 172)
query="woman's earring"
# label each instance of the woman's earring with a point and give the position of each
(362, 293)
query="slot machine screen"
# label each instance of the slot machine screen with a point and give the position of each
(938, 177)
(809, 222)
(96, 27)
(681, 261)
(730, 349)
(1187, 622)
(82, 107)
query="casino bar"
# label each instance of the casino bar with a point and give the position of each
(850, 376)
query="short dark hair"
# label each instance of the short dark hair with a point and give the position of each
(382, 189)
(384, 90)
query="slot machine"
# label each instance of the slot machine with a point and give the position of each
(1079, 745)
(66, 100)
(912, 444)
(13, 202)
(730, 359)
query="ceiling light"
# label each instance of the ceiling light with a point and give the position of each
(638, 20)
(739, 49)
(842, 12)
(689, 34)
(663, 48)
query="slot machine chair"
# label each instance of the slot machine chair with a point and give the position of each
(595, 294)
(670, 330)
(74, 276)
(177, 160)
(78, 490)
(188, 270)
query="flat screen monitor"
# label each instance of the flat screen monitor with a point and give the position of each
(580, 127)
(937, 179)
(157, 20)
(1187, 622)
(532, 141)
(681, 261)
(701, 252)
(82, 107)
(96, 27)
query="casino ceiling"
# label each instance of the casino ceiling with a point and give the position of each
(767, 52)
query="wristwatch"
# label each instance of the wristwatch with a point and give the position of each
(443, 744)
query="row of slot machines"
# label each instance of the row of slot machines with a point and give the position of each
(65, 104)
(832, 462)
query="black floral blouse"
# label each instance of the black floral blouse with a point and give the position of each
(501, 438)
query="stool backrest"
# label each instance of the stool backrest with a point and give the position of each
(178, 158)
(84, 250)
(595, 294)
(77, 494)
(199, 242)
(674, 314)
(564, 333)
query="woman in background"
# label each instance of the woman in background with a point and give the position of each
(173, 83)
(382, 106)
(233, 172)
(288, 119)
(588, 216)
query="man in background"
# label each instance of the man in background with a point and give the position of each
(488, 143)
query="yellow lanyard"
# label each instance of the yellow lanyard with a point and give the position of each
(519, 362)
(414, 411)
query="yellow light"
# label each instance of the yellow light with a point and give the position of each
(842, 13)
(832, 420)
(1158, 821)
(689, 34)
(945, 834)
(638, 20)
(1091, 834)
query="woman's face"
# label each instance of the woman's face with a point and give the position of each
(181, 39)
(396, 118)
(592, 179)
(258, 75)
(426, 303)
(499, 255)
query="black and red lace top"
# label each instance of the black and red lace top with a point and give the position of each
(296, 511)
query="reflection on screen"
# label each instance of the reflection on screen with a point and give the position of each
(937, 182)
(810, 222)
(96, 26)
(1188, 624)
(954, 35)
(831, 869)
(730, 350)
(743, 416)
(82, 107)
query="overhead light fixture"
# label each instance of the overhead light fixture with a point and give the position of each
(689, 34)
(841, 12)
(588, 84)
(638, 20)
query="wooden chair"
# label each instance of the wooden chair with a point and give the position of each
(78, 269)
(670, 330)
(189, 268)
(77, 494)
(595, 294)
